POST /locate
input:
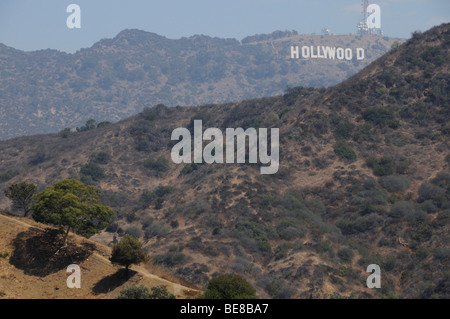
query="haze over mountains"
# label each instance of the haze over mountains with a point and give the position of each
(46, 91)
(364, 178)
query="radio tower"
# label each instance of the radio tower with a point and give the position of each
(362, 25)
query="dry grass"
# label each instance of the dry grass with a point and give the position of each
(30, 271)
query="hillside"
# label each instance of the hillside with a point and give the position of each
(46, 91)
(28, 274)
(364, 179)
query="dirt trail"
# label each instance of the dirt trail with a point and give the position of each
(100, 255)
(178, 288)
(14, 220)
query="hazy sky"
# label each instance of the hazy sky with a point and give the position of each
(41, 24)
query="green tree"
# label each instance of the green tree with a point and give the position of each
(134, 292)
(90, 125)
(7, 175)
(395, 45)
(379, 115)
(103, 124)
(146, 199)
(384, 167)
(22, 196)
(344, 151)
(72, 204)
(229, 287)
(159, 165)
(160, 292)
(346, 254)
(65, 132)
(101, 158)
(128, 251)
(93, 170)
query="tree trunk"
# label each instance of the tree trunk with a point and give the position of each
(65, 237)
(65, 241)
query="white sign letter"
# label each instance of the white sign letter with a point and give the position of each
(360, 55)
(305, 52)
(340, 53)
(294, 52)
(330, 53)
(348, 54)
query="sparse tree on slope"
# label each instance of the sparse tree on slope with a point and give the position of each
(128, 251)
(71, 204)
(22, 196)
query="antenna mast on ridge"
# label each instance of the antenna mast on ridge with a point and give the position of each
(363, 26)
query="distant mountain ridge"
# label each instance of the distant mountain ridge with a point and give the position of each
(364, 179)
(47, 90)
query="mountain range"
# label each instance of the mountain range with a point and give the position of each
(364, 179)
(46, 91)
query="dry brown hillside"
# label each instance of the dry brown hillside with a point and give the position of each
(27, 274)
(364, 179)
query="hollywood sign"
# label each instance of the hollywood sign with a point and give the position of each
(326, 52)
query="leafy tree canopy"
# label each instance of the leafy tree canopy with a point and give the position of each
(128, 251)
(72, 204)
(229, 287)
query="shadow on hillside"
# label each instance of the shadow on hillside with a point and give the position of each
(113, 281)
(34, 253)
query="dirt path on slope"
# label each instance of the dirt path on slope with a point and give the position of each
(100, 279)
